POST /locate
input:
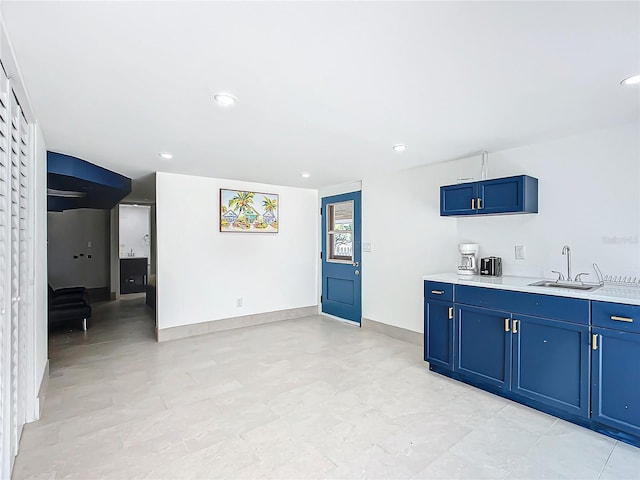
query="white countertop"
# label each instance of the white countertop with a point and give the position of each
(629, 294)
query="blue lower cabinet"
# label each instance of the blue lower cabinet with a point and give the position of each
(615, 380)
(484, 346)
(551, 363)
(438, 330)
(573, 358)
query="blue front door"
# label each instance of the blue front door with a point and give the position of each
(341, 258)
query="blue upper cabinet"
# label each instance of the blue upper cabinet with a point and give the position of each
(490, 197)
(459, 199)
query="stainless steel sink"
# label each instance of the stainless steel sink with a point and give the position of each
(570, 286)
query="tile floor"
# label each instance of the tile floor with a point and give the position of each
(299, 399)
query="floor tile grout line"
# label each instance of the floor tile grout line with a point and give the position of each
(604, 465)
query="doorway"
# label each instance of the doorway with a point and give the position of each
(341, 256)
(134, 247)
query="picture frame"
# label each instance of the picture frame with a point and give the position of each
(248, 212)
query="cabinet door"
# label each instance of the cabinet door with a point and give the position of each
(502, 195)
(484, 345)
(615, 380)
(438, 333)
(551, 363)
(457, 199)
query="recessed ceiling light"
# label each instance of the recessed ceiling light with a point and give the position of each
(633, 80)
(166, 155)
(225, 99)
(305, 175)
(401, 147)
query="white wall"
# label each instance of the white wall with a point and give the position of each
(589, 199)
(41, 330)
(401, 219)
(338, 190)
(135, 224)
(589, 194)
(201, 271)
(69, 234)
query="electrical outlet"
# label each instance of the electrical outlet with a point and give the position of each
(366, 246)
(239, 302)
(519, 252)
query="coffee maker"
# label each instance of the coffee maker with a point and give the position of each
(468, 262)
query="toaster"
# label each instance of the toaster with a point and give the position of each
(491, 266)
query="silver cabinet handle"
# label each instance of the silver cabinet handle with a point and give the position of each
(621, 319)
(356, 264)
(357, 272)
(437, 292)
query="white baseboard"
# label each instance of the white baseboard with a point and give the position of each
(223, 324)
(395, 332)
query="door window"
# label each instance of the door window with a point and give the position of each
(340, 232)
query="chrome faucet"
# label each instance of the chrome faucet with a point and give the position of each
(566, 250)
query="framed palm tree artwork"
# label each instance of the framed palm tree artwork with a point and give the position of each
(250, 212)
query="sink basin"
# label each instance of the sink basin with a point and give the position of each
(570, 286)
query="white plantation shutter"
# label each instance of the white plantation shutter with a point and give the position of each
(14, 156)
(23, 264)
(5, 294)
(15, 263)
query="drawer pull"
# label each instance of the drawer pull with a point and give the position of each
(506, 325)
(450, 313)
(621, 319)
(437, 292)
(515, 326)
(594, 341)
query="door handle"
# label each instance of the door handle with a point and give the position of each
(515, 326)
(473, 204)
(594, 341)
(506, 325)
(479, 203)
(450, 313)
(357, 272)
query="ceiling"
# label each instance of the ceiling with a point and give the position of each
(322, 87)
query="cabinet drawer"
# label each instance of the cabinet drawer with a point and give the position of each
(438, 291)
(572, 310)
(616, 315)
